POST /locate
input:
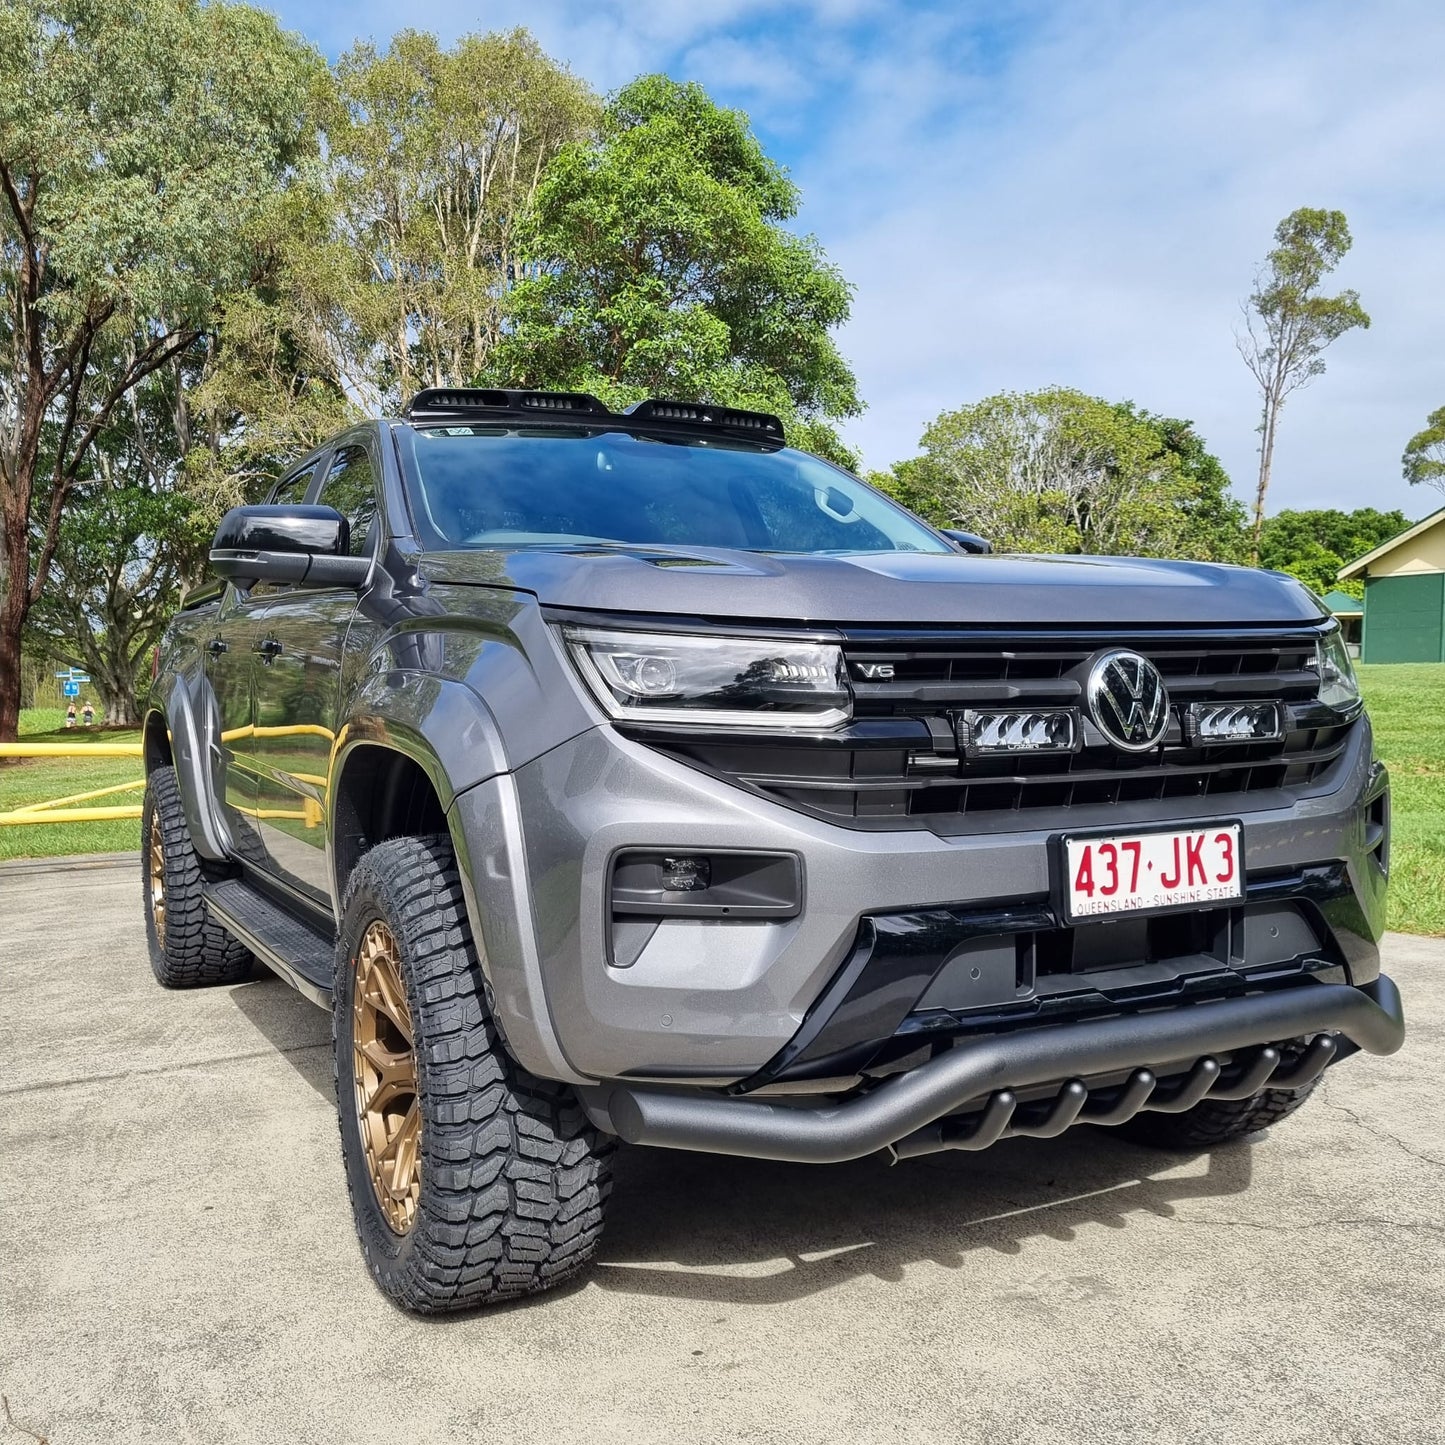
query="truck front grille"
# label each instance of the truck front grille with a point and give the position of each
(898, 762)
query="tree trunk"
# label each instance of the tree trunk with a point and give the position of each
(121, 712)
(14, 604)
(1266, 462)
(117, 698)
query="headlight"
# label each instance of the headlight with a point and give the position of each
(1338, 688)
(726, 681)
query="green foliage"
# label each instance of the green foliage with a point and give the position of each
(661, 267)
(1288, 323)
(139, 142)
(390, 262)
(1313, 546)
(1058, 471)
(1404, 703)
(1424, 458)
(128, 542)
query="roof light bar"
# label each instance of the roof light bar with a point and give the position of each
(698, 413)
(454, 401)
(450, 400)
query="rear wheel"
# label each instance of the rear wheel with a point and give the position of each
(1217, 1121)
(188, 948)
(471, 1181)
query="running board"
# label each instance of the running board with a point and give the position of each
(302, 955)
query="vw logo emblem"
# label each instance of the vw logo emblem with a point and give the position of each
(1127, 700)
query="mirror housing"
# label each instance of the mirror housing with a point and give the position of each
(287, 544)
(967, 541)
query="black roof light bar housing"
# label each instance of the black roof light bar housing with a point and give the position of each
(698, 413)
(465, 400)
(436, 403)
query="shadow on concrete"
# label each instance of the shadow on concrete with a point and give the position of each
(679, 1224)
(299, 1031)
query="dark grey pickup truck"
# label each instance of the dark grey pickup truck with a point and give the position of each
(633, 776)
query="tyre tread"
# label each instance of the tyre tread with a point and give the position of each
(197, 952)
(515, 1179)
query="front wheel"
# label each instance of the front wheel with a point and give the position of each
(471, 1182)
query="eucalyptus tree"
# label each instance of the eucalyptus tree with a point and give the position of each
(434, 156)
(1288, 323)
(138, 141)
(1424, 458)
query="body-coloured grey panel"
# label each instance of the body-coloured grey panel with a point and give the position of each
(722, 1012)
(902, 588)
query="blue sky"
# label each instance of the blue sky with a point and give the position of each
(1074, 193)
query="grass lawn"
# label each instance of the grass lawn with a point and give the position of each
(37, 778)
(1407, 706)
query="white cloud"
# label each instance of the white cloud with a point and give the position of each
(1094, 217)
(1032, 193)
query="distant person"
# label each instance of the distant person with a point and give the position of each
(87, 715)
(70, 716)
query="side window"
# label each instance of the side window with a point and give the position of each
(293, 489)
(351, 489)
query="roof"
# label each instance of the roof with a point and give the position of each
(1341, 604)
(1358, 566)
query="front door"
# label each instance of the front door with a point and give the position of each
(300, 640)
(299, 637)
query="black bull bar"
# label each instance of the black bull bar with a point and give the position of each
(967, 1097)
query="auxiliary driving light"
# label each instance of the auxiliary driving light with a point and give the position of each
(1013, 730)
(1233, 722)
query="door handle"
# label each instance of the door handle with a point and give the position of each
(268, 647)
(217, 645)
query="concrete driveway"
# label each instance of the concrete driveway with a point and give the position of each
(179, 1263)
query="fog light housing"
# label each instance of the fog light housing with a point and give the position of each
(988, 732)
(1233, 722)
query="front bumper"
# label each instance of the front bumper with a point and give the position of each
(712, 1003)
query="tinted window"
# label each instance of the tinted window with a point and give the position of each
(351, 489)
(293, 489)
(491, 486)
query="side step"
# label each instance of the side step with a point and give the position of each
(302, 955)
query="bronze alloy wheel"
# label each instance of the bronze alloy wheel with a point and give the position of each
(156, 877)
(387, 1105)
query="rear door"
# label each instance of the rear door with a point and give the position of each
(300, 638)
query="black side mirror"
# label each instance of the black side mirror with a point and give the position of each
(967, 541)
(287, 544)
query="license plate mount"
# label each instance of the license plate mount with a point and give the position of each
(1129, 873)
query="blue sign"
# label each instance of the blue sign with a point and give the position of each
(70, 689)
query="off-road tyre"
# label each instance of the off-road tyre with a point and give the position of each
(1217, 1121)
(188, 948)
(514, 1178)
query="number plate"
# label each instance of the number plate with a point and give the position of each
(1135, 872)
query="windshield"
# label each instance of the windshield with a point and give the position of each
(497, 486)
